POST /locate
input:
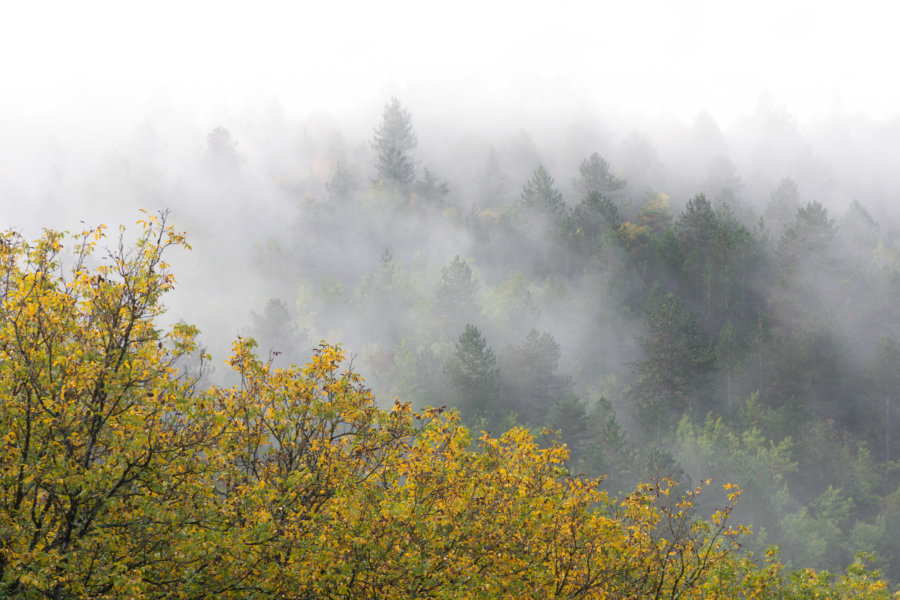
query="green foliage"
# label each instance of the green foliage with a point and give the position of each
(512, 303)
(671, 378)
(593, 225)
(811, 237)
(473, 374)
(101, 454)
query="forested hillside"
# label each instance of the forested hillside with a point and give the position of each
(672, 302)
(122, 477)
(699, 335)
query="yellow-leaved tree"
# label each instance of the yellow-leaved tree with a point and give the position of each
(97, 462)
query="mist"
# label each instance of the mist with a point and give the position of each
(668, 234)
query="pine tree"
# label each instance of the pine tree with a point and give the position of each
(456, 303)
(540, 196)
(531, 384)
(594, 176)
(473, 374)
(394, 143)
(678, 358)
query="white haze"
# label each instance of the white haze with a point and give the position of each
(648, 56)
(105, 107)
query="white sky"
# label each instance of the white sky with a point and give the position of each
(644, 55)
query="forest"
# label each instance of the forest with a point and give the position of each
(666, 380)
(689, 336)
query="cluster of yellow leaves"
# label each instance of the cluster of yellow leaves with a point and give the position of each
(119, 479)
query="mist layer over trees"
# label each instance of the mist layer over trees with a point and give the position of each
(122, 476)
(677, 301)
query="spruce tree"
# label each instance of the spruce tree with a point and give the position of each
(394, 143)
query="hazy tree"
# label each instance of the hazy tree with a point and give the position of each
(811, 238)
(807, 261)
(222, 149)
(492, 184)
(655, 213)
(521, 155)
(697, 223)
(640, 164)
(810, 367)
(697, 226)
(276, 333)
(427, 379)
(569, 417)
(706, 137)
(342, 183)
(722, 181)
(859, 237)
(384, 299)
(592, 223)
(394, 143)
(540, 196)
(783, 205)
(473, 374)
(536, 239)
(606, 451)
(594, 176)
(431, 190)
(455, 299)
(716, 254)
(531, 385)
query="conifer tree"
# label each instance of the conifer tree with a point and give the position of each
(594, 175)
(473, 374)
(394, 144)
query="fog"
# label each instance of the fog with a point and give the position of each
(256, 128)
